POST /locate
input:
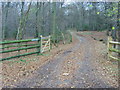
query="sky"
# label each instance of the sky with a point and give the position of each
(67, 1)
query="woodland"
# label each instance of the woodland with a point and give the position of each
(22, 20)
(70, 44)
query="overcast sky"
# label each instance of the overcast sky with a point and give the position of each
(60, 0)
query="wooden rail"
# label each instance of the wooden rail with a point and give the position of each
(8, 46)
(42, 45)
(18, 41)
(24, 48)
(111, 49)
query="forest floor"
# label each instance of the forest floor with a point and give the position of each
(80, 64)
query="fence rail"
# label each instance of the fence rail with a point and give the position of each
(8, 46)
(17, 41)
(111, 49)
(42, 45)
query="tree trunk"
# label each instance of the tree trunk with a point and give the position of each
(54, 21)
(20, 24)
(82, 13)
(37, 31)
(23, 20)
(94, 16)
(5, 24)
(50, 19)
(118, 24)
(106, 21)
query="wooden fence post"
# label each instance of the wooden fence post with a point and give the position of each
(3, 47)
(109, 46)
(26, 46)
(18, 47)
(49, 43)
(38, 49)
(40, 43)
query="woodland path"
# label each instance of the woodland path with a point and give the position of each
(72, 69)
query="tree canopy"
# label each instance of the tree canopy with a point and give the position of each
(31, 19)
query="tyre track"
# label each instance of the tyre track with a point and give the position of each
(84, 76)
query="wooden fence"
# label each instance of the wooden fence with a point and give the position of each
(111, 48)
(42, 44)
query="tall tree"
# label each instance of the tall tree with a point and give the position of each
(5, 24)
(54, 21)
(37, 20)
(118, 24)
(21, 23)
(23, 20)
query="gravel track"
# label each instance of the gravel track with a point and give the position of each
(73, 68)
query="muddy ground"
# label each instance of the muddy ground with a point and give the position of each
(81, 64)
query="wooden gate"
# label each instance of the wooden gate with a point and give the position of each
(112, 49)
(42, 44)
(45, 44)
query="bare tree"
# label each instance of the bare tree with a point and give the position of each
(5, 24)
(22, 21)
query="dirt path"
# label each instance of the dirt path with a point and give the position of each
(74, 68)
